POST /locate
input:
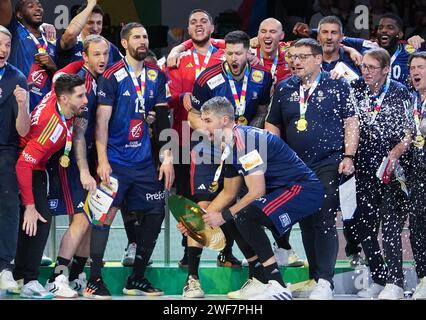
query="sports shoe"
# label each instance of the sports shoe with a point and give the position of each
(61, 287)
(420, 293)
(7, 282)
(273, 291)
(228, 260)
(140, 287)
(371, 292)
(183, 263)
(322, 291)
(129, 255)
(391, 292)
(303, 289)
(96, 289)
(34, 290)
(20, 283)
(356, 260)
(45, 261)
(251, 288)
(193, 289)
(287, 258)
(79, 284)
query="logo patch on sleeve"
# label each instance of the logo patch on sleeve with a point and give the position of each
(216, 81)
(57, 133)
(120, 74)
(251, 160)
(257, 76)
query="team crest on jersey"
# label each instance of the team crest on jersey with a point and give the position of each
(257, 76)
(135, 130)
(320, 96)
(409, 48)
(285, 220)
(152, 75)
(53, 204)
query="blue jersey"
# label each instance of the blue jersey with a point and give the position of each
(214, 82)
(258, 150)
(399, 59)
(76, 53)
(332, 102)
(9, 78)
(128, 136)
(22, 56)
(343, 57)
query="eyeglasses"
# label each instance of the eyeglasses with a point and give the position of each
(301, 57)
(369, 68)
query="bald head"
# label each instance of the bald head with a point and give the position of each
(269, 36)
(271, 22)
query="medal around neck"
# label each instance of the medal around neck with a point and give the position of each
(64, 161)
(419, 142)
(190, 215)
(302, 125)
(97, 204)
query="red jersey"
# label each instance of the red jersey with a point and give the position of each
(47, 136)
(181, 81)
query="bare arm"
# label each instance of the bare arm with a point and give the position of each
(6, 12)
(259, 119)
(229, 193)
(255, 183)
(399, 150)
(69, 38)
(194, 118)
(346, 166)
(23, 121)
(273, 129)
(103, 115)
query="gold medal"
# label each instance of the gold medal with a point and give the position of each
(302, 125)
(242, 120)
(64, 161)
(419, 142)
(214, 186)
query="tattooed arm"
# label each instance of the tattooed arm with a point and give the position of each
(259, 119)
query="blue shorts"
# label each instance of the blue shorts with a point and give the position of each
(139, 187)
(287, 206)
(202, 174)
(66, 194)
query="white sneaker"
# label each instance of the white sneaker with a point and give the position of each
(273, 291)
(287, 258)
(193, 289)
(7, 282)
(322, 291)
(60, 287)
(34, 290)
(303, 289)
(251, 288)
(129, 255)
(79, 284)
(391, 292)
(420, 293)
(20, 283)
(371, 292)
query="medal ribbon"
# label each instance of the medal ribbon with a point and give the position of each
(198, 70)
(225, 154)
(418, 115)
(68, 143)
(393, 58)
(274, 64)
(240, 102)
(303, 101)
(40, 48)
(140, 89)
(379, 102)
(2, 71)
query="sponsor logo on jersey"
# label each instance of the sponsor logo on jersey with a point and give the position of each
(29, 158)
(48, 130)
(160, 195)
(257, 76)
(202, 187)
(152, 75)
(53, 204)
(127, 93)
(57, 133)
(120, 74)
(216, 81)
(135, 130)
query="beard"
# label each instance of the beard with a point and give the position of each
(137, 55)
(201, 42)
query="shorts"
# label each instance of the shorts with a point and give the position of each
(287, 206)
(138, 186)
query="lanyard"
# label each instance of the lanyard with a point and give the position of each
(240, 102)
(418, 115)
(140, 89)
(379, 101)
(225, 154)
(40, 48)
(2, 71)
(198, 70)
(68, 144)
(274, 64)
(303, 102)
(393, 58)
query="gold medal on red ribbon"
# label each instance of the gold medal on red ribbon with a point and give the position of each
(64, 161)
(419, 142)
(302, 125)
(242, 120)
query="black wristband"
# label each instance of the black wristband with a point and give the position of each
(227, 215)
(350, 156)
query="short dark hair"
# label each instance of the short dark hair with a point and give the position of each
(330, 20)
(311, 43)
(395, 18)
(203, 11)
(66, 83)
(380, 55)
(127, 29)
(236, 37)
(93, 38)
(96, 9)
(19, 5)
(421, 54)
